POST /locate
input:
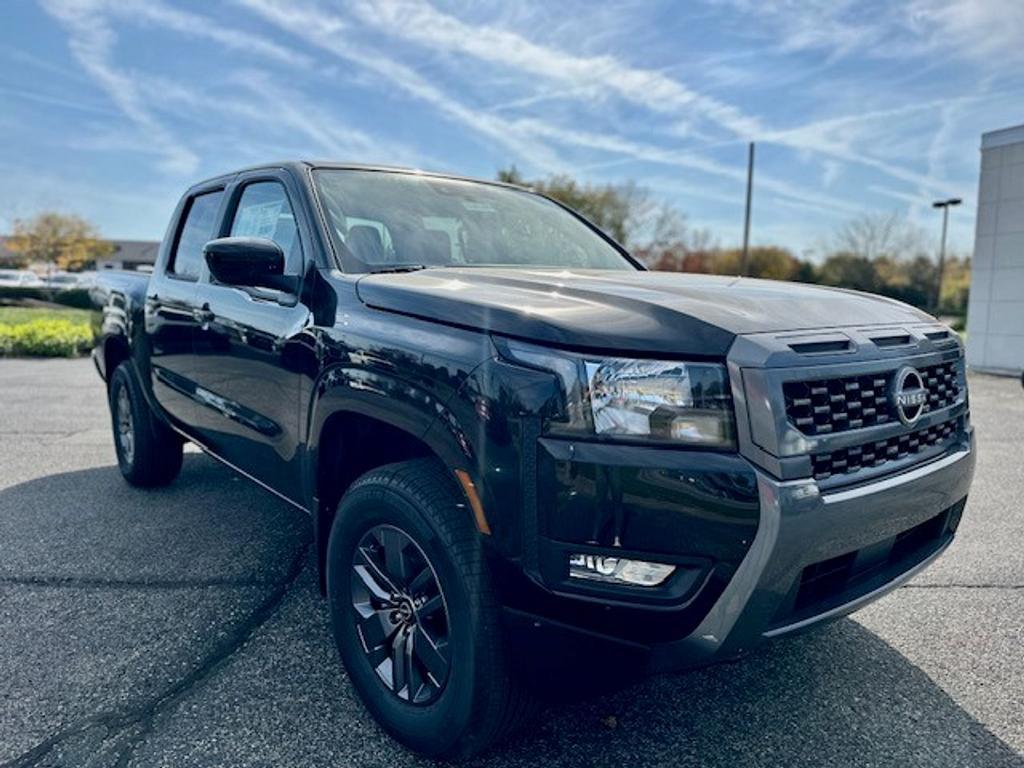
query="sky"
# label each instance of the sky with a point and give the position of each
(111, 108)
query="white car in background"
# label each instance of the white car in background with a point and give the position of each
(63, 281)
(19, 278)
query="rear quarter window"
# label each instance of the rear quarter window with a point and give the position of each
(200, 220)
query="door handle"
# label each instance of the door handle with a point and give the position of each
(203, 314)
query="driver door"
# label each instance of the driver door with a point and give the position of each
(252, 350)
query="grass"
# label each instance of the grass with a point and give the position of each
(22, 315)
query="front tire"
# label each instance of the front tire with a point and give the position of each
(149, 453)
(407, 582)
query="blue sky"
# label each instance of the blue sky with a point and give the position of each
(112, 107)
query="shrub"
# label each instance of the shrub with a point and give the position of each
(78, 298)
(45, 338)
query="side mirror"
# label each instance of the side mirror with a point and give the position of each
(248, 262)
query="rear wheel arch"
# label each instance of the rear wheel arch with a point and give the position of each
(115, 352)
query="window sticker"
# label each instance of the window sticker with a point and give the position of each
(469, 205)
(260, 220)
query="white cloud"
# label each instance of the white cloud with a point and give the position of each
(988, 31)
(814, 24)
(529, 138)
(587, 76)
(831, 172)
(161, 15)
(326, 31)
(92, 41)
(695, 162)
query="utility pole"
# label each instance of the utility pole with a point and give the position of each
(945, 205)
(746, 221)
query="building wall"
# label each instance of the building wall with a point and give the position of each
(995, 314)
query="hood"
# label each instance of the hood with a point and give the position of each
(651, 312)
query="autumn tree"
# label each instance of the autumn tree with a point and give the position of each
(64, 241)
(766, 261)
(618, 209)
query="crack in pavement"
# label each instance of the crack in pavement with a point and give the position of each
(99, 582)
(140, 717)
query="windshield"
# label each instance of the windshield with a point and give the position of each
(382, 220)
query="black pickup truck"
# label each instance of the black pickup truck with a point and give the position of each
(517, 445)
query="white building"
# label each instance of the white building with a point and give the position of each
(995, 314)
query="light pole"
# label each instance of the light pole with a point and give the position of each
(945, 205)
(745, 263)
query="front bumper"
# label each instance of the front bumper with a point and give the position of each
(816, 556)
(819, 556)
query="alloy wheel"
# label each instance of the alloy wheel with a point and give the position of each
(125, 425)
(401, 614)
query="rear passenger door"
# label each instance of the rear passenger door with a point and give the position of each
(171, 312)
(252, 349)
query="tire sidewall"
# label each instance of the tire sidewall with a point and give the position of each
(429, 729)
(122, 380)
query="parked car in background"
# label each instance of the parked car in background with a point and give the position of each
(19, 278)
(519, 447)
(65, 281)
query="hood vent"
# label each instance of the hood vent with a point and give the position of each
(819, 347)
(897, 340)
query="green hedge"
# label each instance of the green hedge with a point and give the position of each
(45, 338)
(74, 297)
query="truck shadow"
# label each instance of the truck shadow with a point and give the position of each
(837, 696)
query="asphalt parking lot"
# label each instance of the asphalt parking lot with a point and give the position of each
(182, 627)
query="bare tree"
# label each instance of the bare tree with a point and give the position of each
(875, 235)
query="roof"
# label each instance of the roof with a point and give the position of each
(1003, 137)
(136, 250)
(300, 166)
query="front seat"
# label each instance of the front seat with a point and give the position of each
(365, 248)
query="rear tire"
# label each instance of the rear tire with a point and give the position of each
(149, 453)
(473, 700)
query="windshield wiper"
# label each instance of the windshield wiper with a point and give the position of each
(398, 268)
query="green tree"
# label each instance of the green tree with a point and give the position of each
(770, 262)
(64, 241)
(612, 207)
(849, 270)
(956, 286)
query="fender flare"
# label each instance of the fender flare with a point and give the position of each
(386, 397)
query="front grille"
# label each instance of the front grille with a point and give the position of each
(877, 452)
(825, 406)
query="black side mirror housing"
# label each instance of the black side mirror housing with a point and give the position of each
(248, 262)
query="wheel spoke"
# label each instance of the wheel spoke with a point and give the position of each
(376, 630)
(431, 607)
(370, 579)
(433, 658)
(378, 574)
(421, 580)
(400, 664)
(394, 555)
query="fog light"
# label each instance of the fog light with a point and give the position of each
(618, 570)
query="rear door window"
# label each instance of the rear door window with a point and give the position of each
(196, 232)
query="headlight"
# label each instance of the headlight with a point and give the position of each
(687, 403)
